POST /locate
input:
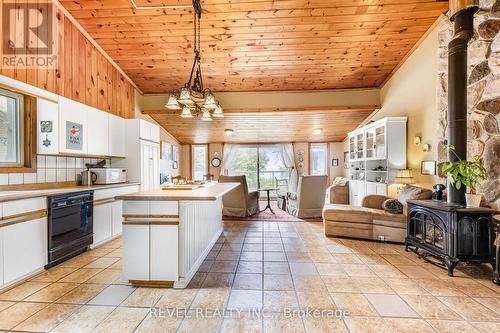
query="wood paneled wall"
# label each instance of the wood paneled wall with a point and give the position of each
(82, 72)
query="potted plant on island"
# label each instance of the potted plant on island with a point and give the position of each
(465, 173)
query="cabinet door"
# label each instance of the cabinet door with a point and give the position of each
(154, 131)
(164, 252)
(102, 223)
(98, 131)
(371, 188)
(381, 189)
(47, 141)
(136, 252)
(117, 218)
(116, 136)
(73, 131)
(24, 248)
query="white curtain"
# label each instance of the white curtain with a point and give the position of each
(228, 155)
(287, 157)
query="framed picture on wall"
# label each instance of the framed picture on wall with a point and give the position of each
(335, 162)
(166, 151)
(175, 165)
(428, 168)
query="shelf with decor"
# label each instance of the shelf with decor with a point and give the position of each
(376, 152)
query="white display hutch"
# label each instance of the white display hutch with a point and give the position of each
(376, 152)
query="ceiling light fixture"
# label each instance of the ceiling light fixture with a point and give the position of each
(229, 132)
(200, 100)
(317, 131)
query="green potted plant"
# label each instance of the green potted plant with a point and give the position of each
(465, 173)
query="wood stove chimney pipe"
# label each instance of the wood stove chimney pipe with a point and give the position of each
(462, 14)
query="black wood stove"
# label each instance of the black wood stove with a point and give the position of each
(450, 232)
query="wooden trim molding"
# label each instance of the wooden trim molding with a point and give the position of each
(150, 216)
(23, 217)
(103, 201)
(158, 222)
(152, 284)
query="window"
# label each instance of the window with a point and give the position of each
(261, 165)
(11, 129)
(199, 157)
(319, 159)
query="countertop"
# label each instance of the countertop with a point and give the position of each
(19, 195)
(210, 192)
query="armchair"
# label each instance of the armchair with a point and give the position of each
(239, 202)
(310, 197)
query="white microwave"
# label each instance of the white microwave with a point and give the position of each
(109, 175)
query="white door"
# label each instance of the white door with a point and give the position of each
(146, 165)
(361, 192)
(24, 248)
(98, 131)
(102, 223)
(116, 217)
(136, 252)
(155, 166)
(164, 255)
(371, 188)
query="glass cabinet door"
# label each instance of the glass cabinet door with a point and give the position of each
(380, 144)
(359, 146)
(370, 143)
(352, 148)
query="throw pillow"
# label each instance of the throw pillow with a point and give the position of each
(393, 206)
(410, 192)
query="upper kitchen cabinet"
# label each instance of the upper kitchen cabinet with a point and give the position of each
(47, 127)
(116, 136)
(98, 132)
(73, 131)
(148, 131)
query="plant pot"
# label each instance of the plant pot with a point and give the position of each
(473, 200)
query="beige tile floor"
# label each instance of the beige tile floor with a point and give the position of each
(272, 267)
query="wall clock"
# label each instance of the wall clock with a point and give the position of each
(215, 162)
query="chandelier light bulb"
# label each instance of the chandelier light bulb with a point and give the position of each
(210, 102)
(185, 97)
(206, 116)
(218, 112)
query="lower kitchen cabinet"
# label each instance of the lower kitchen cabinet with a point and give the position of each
(24, 247)
(116, 217)
(135, 258)
(102, 223)
(1, 257)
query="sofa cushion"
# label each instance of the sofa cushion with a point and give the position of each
(411, 192)
(347, 213)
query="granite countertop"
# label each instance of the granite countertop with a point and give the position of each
(35, 193)
(210, 192)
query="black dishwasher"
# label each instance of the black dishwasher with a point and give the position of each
(70, 225)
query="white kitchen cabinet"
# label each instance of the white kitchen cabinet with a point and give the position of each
(162, 249)
(24, 249)
(116, 136)
(150, 178)
(135, 263)
(148, 131)
(116, 217)
(71, 114)
(102, 223)
(1, 258)
(47, 113)
(98, 132)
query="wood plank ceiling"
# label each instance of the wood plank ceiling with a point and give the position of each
(259, 45)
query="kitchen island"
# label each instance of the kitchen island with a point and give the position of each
(168, 233)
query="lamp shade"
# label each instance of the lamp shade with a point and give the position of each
(185, 97)
(172, 103)
(206, 116)
(404, 177)
(218, 112)
(210, 102)
(186, 113)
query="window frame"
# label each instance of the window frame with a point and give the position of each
(27, 133)
(207, 166)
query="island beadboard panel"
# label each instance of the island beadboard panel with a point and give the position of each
(81, 73)
(483, 134)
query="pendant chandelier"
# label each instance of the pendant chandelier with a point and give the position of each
(194, 100)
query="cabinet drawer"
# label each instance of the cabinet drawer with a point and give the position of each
(13, 208)
(113, 192)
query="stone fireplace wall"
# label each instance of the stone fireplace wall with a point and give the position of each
(483, 134)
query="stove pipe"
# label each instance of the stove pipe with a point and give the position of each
(462, 14)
